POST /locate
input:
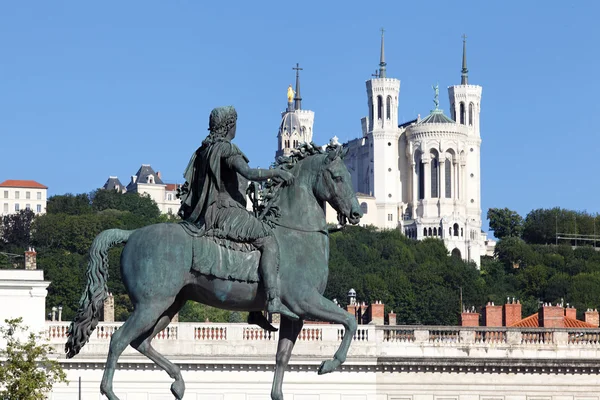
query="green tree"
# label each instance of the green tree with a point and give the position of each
(71, 204)
(27, 373)
(505, 222)
(16, 230)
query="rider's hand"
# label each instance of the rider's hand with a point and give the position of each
(285, 176)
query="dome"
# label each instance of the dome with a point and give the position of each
(351, 293)
(436, 117)
(289, 123)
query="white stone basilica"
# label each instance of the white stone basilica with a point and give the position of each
(420, 176)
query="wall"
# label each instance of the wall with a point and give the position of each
(8, 200)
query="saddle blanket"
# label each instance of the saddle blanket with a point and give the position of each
(225, 259)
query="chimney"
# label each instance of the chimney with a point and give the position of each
(109, 308)
(376, 313)
(492, 314)
(133, 178)
(551, 316)
(30, 259)
(392, 318)
(469, 318)
(158, 175)
(511, 312)
(570, 312)
(592, 317)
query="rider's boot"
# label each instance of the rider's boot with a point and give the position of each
(257, 318)
(274, 305)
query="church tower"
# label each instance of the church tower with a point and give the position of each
(465, 100)
(296, 124)
(380, 129)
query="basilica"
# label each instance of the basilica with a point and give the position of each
(420, 176)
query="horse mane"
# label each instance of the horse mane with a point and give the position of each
(265, 206)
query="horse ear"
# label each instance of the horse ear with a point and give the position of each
(331, 156)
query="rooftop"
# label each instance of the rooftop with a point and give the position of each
(19, 183)
(436, 117)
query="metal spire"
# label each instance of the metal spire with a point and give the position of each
(298, 98)
(382, 63)
(464, 79)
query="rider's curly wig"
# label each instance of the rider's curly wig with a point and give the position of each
(221, 120)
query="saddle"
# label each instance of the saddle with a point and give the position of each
(222, 258)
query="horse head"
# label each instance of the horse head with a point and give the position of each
(334, 185)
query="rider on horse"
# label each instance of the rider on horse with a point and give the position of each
(214, 199)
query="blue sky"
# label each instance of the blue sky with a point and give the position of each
(89, 90)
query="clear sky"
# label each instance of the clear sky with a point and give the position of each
(92, 89)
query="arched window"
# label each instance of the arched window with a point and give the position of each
(450, 231)
(455, 229)
(471, 114)
(461, 232)
(150, 179)
(456, 253)
(421, 180)
(388, 107)
(424, 231)
(379, 107)
(429, 231)
(448, 176)
(434, 178)
(364, 208)
(371, 112)
(452, 112)
(434, 231)
(462, 113)
(440, 231)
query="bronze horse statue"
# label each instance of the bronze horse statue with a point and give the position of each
(157, 267)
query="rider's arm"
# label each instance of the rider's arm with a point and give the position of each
(252, 174)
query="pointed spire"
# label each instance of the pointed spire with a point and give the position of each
(382, 63)
(298, 98)
(464, 79)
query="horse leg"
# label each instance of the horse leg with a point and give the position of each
(144, 346)
(324, 309)
(288, 333)
(141, 320)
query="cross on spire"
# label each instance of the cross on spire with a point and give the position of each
(464, 77)
(376, 74)
(464, 37)
(382, 62)
(297, 98)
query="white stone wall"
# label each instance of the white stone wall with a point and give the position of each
(23, 294)
(34, 198)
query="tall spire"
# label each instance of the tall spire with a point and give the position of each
(464, 78)
(298, 98)
(382, 63)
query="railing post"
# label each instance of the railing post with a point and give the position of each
(514, 337)
(560, 338)
(421, 335)
(330, 332)
(466, 336)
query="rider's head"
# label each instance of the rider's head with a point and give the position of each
(222, 122)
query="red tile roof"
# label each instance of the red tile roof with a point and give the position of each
(22, 184)
(172, 187)
(533, 322)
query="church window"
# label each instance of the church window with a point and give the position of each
(461, 232)
(462, 113)
(440, 231)
(389, 170)
(364, 208)
(421, 180)
(388, 107)
(434, 178)
(371, 111)
(455, 229)
(448, 173)
(471, 114)
(389, 143)
(429, 231)
(379, 107)
(449, 231)
(434, 231)
(452, 112)
(424, 231)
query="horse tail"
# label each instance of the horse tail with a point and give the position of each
(95, 292)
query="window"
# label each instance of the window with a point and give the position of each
(28, 195)
(421, 181)
(435, 232)
(379, 107)
(150, 179)
(452, 112)
(434, 178)
(39, 208)
(371, 111)
(388, 107)
(5, 207)
(462, 113)
(16, 206)
(390, 217)
(39, 195)
(448, 173)
(364, 208)
(170, 197)
(6, 194)
(471, 114)
(17, 194)
(424, 231)
(28, 206)
(455, 229)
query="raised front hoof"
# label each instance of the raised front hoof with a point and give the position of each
(178, 388)
(328, 366)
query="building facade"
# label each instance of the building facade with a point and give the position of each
(147, 182)
(423, 175)
(17, 195)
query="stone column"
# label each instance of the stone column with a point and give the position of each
(109, 308)
(415, 188)
(427, 175)
(442, 177)
(454, 179)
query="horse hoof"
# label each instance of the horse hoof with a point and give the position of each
(178, 388)
(276, 396)
(328, 366)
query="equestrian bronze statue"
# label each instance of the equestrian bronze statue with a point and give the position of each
(274, 258)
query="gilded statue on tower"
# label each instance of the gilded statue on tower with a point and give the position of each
(290, 94)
